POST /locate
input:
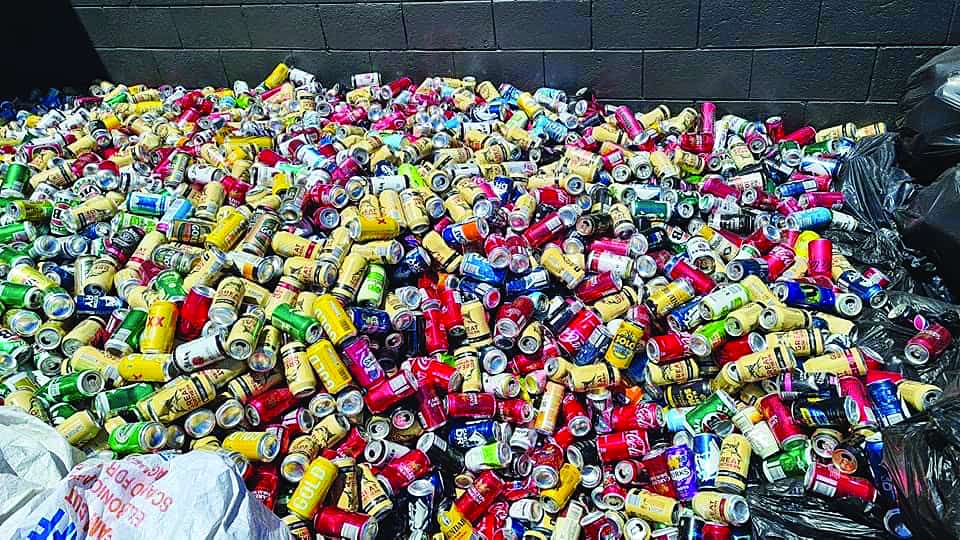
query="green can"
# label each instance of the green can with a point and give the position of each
(792, 462)
(15, 179)
(11, 256)
(71, 387)
(373, 286)
(654, 210)
(120, 399)
(126, 339)
(298, 325)
(18, 232)
(35, 211)
(712, 415)
(59, 412)
(708, 337)
(722, 301)
(169, 284)
(16, 295)
(138, 438)
(126, 219)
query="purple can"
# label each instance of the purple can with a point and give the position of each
(683, 470)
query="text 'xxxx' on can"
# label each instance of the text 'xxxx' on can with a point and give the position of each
(160, 328)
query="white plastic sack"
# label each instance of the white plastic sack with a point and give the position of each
(195, 495)
(33, 459)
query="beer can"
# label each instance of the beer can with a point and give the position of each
(734, 464)
(253, 445)
(177, 399)
(336, 323)
(161, 324)
(313, 487)
(652, 507)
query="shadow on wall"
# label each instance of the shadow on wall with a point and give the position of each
(47, 47)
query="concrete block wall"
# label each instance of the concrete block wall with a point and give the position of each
(818, 61)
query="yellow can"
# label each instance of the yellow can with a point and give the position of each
(346, 488)
(593, 377)
(330, 430)
(161, 326)
(350, 277)
(734, 463)
(333, 373)
(652, 506)
(79, 428)
(561, 267)
(364, 228)
(177, 398)
(288, 244)
(445, 256)
(670, 296)
(556, 498)
(299, 375)
(475, 323)
(616, 305)
(453, 526)
(81, 334)
(765, 364)
(778, 318)
(846, 362)
(252, 383)
(917, 394)
(803, 342)
(313, 488)
(672, 373)
(337, 325)
(99, 278)
(87, 357)
(802, 245)
(374, 500)
(743, 320)
(146, 367)
(229, 229)
(253, 445)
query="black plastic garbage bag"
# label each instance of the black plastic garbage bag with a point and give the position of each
(872, 184)
(928, 117)
(931, 223)
(922, 455)
(783, 510)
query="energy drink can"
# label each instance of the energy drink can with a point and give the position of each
(706, 455)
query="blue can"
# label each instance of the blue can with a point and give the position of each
(414, 263)
(536, 280)
(473, 433)
(147, 204)
(88, 304)
(371, 321)
(503, 187)
(881, 477)
(62, 276)
(813, 218)
(479, 289)
(820, 164)
(706, 457)
(807, 295)
(680, 458)
(414, 342)
(738, 269)
(685, 317)
(476, 266)
(635, 372)
(886, 402)
(871, 293)
(597, 344)
(509, 93)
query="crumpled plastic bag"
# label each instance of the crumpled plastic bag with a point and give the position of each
(928, 118)
(872, 184)
(151, 497)
(784, 510)
(931, 224)
(33, 459)
(922, 455)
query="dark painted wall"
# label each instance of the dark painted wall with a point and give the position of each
(819, 60)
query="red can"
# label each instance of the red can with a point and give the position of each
(802, 136)
(270, 405)
(353, 444)
(432, 414)
(515, 411)
(401, 471)
(471, 405)
(494, 521)
(775, 131)
(333, 522)
(578, 331)
(668, 348)
(193, 314)
(394, 88)
(820, 258)
(496, 250)
(642, 415)
(622, 445)
(390, 391)
(702, 283)
(764, 238)
(853, 388)
(610, 245)
(628, 122)
(598, 526)
(264, 483)
(432, 372)
(544, 230)
(597, 286)
(546, 460)
(519, 253)
(435, 334)
(477, 498)
(631, 472)
(451, 301)
(830, 482)
(715, 185)
(876, 277)
(554, 196)
(513, 318)
(928, 344)
(784, 428)
(658, 469)
(732, 350)
(575, 415)
(564, 437)
(824, 199)
(716, 531)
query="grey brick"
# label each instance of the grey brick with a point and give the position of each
(793, 112)
(363, 26)
(696, 74)
(826, 114)
(129, 27)
(449, 25)
(626, 24)
(894, 65)
(522, 69)
(953, 37)
(100, 2)
(542, 24)
(285, 27)
(414, 64)
(757, 23)
(332, 66)
(210, 27)
(609, 74)
(130, 66)
(822, 73)
(190, 67)
(251, 65)
(908, 22)
(235, 2)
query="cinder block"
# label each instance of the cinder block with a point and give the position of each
(719, 74)
(542, 24)
(812, 73)
(449, 25)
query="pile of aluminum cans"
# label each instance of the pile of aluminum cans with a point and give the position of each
(448, 308)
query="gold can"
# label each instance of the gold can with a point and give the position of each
(99, 278)
(79, 428)
(330, 430)
(475, 323)
(414, 211)
(672, 373)
(350, 277)
(145, 249)
(253, 445)
(87, 357)
(229, 229)
(374, 500)
(244, 334)
(467, 363)
(177, 398)
(546, 420)
(652, 506)
(326, 362)
(146, 367)
(81, 334)
(556, 498)
(313, 487)
(758, 291)
(160, 328)
(743, 320)
(252, 383)
(346, 487)
(846, 362)
(140, 297)
(288, 244)
(726, 380)
(302, 451)
(445, 256)
(734, 463)
(305, 303)
(836, 325)
(778, 318)
(561, 267)
(453, 526)
(765, 364)
(803, 342)
(391, 207)
(615, 305)
(337, 325)
(212, 263)
(670, 296)
(917, 394)
(593, 377)
(299, 375)
(226, 301)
